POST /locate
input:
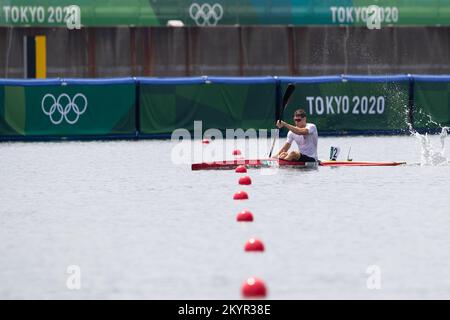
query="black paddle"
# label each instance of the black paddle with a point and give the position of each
(279, 112)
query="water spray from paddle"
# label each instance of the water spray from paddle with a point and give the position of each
(430, 156)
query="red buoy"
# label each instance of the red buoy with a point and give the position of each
(254, 245)
(241, 169)
(240, 195)
(254, 288)
(205, 141)
(245, 180)
(236, 152)
(244, 216)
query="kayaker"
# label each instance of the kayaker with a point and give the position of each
(304, 134)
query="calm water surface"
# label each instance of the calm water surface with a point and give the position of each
(141, 227)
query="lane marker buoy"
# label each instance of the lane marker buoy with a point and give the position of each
(254, 245)
(240, 195)
(245, 180)
(241, 169)
(254, 288)
(244, 216)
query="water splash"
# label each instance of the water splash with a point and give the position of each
(429, 156)
(430, 119)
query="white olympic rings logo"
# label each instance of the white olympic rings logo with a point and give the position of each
(56, 109)
(206, 14)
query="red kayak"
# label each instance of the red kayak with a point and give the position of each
(267, 163)
(330, 163)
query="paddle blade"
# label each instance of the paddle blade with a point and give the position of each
(273, 144)
(289, 90)
(287, 95)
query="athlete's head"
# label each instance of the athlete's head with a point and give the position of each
(300, 118)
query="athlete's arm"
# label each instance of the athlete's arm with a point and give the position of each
(285, 148)
(296, 130)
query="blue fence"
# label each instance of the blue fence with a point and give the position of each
(338, 104)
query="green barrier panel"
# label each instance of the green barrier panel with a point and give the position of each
(5, 127)
(107, 108)
(431, 104)
(351, 106)
(67, 110)
(165, 107)
(223, 12)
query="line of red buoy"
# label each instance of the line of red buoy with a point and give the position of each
(252, 287)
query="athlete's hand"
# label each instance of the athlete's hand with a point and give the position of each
(280, 124)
